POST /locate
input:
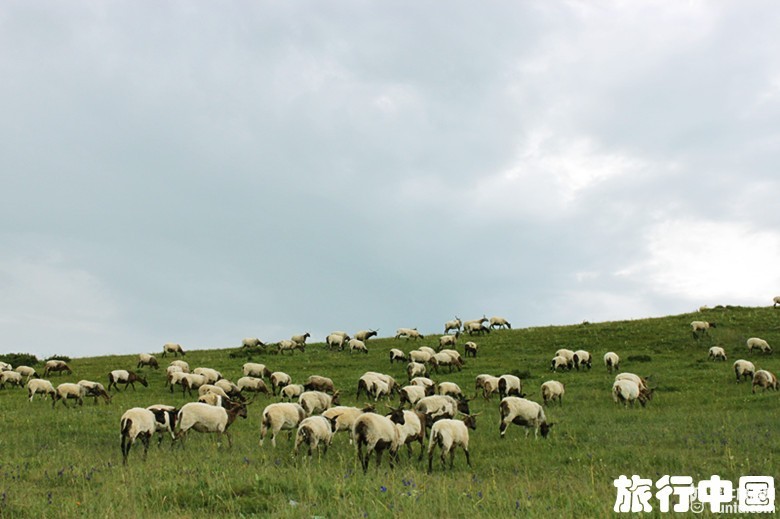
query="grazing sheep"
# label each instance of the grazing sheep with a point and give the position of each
(343, 334)
(559, 362)
(408, 333)
(700, 328)
(172, 347)
(315, 402)
(206, 389)
(68, 390)
(397, 355)
(480, 321)
(232, 390)
(10, 377)
(335, 341)
(128, 378)
(192, 381)
(424, 382)
(416, 369)
(176, 377)
(448, 340)
(315, 430)
(279, 379)
(450, 388)
(319, 383)
(165, 420)
(411, 394)
(437, 407)
(95, 390)
(252, 342)
(449, 358)
(499, 322)
(183, 364)
(364, 335)
(39, 385)
(488, 384)
(525, 413)
(628, 391)
(377, 433)
(280, 416)
(252, 384)
(423, 357)
(612, 361)
(582, 358)
(639, 381)
(476, 327)
(367, 383)
(344, 417)
(412, 430)
(509, 385)
(380, 389)
(775, 301)
(761, 344)
(212, 375)
(448, 434)
(4, 366)
(300, 339)
(357, 345)
(552, 390)
(764, 379)
(206, 418)
(58, 366)
(744, 369)
(455, 324)
(291, 392)
(212, 399)
(27, 372)
(136, 423)
(252, 369)
(717, 353)
(144, 359)
(470, 349)
(291, 346)
(568, 355)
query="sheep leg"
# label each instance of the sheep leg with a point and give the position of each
(452, 457)
(145, 440)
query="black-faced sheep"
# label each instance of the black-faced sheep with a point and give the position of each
(408, 333)
(744, 369)
(700, 328)
(552, 390)
(716, 353)
(144, 359)
(136, 423)
(448, 434)
(172, 347)
(56, 366)
(280, 416)
(524, 413)
(760, 344)
(612, 361)
(39, 385)
(499, 322)
(764, 379)
(377, 433)
(128, 378)
(206, 418)
(455, 324)
(315, 430)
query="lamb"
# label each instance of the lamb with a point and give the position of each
(699, 328)
(252, 384)
(499, 322)
(761, 344)
(128, 378)
(509, 385)
(279, 379)
(582, 358)
(165, 420)
(39, 385)
(377, 433)
(144, 359)
(764, 379)
(455, 324)
(525, 413)
(172, 347)
(27, 372)
(628, 391)
(252, 369)
(488, 384)
(744, 369)
(408, 333)
(448, 340)
(95, 390)
(451, 389)
(424, 382)
(397, 355)
(10, 377)
(449, 434)
(437, 407)
(313, 431)
(552, 390)
(319, 383)
(717, 353)
(568, 355)
(292, 392)
(136, 422)
(612, 361)
(412, 430)
(280, 416)
(59, 366)
(300, 339)
(291, 346)
(364, 335)
(212, 375)
(416, 369)
(68, 390)
(470, 349)
(315, 402)
(357, 345)
(252, 342)
(335, 341)
(344, 417)
(411, 394)
(206, 418)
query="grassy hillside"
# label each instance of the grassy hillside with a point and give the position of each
(67, 462)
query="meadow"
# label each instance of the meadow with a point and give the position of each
(66, 462)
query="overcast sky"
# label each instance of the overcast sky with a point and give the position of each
(200, 172)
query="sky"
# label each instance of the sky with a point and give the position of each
(201, 172)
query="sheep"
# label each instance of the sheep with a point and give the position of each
(612, 361)
(342, 334)
(335, 341)
(232, 390)
(212, 375)
(449, 388)
(357, 345)
(377, 433)
(4, 366)
(319, 383)
(291, 346)
(639, 381)
(397, 355)
(411, 394)
(470, 349)
(775, 301)
(10, 377)
(280, 416)
(488, 384)
(744, 369)
(68, 390)
(717, 353)
(344, 417)
(448, 434)
(192, 381)
(177, 377)
(480, 321)
(39, 385)
(314, 430)
(448, 340)
(252, 369)
(206, 418)
(509, 385)
(416, 369)
(552, 390)
(252, 342)
(475, 327)
(27, 372)
(315, 402)
(427, 349)
(136, 422)
(59, 366)
(291, 392)
(206, 389)
(144, 359)
(455, 324)
(279, 379)
(165, 420)
(364, 335)
(95, 390)
(499, 322)
(525, 413)
(700, 328)
(764, 379)
(761, 344)
(300, 339)
(436, 407)
(212, 399)
(412, 430)
(628, 391)
(447, 358)
(582, 358)
(367, 383)
(172, 347)
(559, 362)
(183, 364)
(423, 357)
(252, 384)
(128, 378)
(566, 354)
(408, 333)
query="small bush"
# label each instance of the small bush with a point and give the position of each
(246, 352)
(20, 359)
(522, 375)
(59, 357)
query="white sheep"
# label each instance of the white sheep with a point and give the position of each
(252, 342)
(315, 402)
(128, 378)
(279, 379)
(761, 344)
(206, 418)
(397, 355)
(144, 359)
(183, 364)
(300, 339)
(319, 383)
(232, 390)
(335, 341)
(427, 349)
(211, 375)
(449, 388)
(525, 413)
(312, 431)
(190, 381)
(291, 392)
(412, 430)
(39, 385)
(479, 322)
(408, 333)
(280, 416)
(165, 418)
(437, 407)
(475, 327)
(612, 361)
(344, 417)
(775, 301)
(253, 369)
(448, 340)
(559, 362)
(568, 355)
(764, 379)
(716, 353)
(628, 391)
(95, 390)
(455, 324)
(172, 347)
(424, 382)
(68, 390)
(552, 390)
(423, 357)
(449, 358)
(744, 369)
(699, 328)
(449, 434)
(416, 369)
(499, 322)
(582, 358)
(639, 381)
(136, 423)
(58, 366)
(509, 385)
(212, 399)
(411, 394)
(357, 345)
(291, 346)
(488, 384)
(470, 349)
(206, 389)
(252, 384)
(27, 372)
(377, 433)
(10, 377)
(175, 377)
(364, 335)
(367, 384)
(4, 366)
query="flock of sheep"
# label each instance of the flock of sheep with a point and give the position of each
(312, 410)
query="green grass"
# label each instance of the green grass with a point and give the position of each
(67, 462)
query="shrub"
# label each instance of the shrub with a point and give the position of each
(59, 357)
(20, 359)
